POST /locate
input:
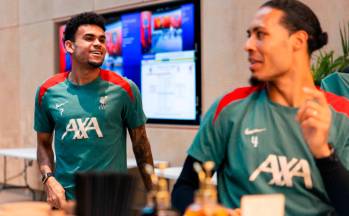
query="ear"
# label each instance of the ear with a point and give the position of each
(69, 46)
(300, 40)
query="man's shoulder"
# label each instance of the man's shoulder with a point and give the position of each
(49, 83)
(236, 95)
(337, 83)
(339, 103)
(55, 79)
(336, 76)
(118, 80)
(114, 78)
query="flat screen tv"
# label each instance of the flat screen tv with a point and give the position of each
(158, 47)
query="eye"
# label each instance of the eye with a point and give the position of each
(260, 35)
(89, 38)
(102, 40)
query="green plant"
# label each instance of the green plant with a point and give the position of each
(326, 62)
(344, 33)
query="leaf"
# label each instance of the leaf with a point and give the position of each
(326, 63)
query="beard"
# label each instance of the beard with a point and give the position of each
(255, 81)
(95, 64)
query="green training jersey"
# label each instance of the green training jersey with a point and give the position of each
(89, 123)
(337, 83)
(258, 148)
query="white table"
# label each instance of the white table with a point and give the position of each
(22, 153)
(172, 173)
(29, 155)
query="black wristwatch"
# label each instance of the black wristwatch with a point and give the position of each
(45, 176)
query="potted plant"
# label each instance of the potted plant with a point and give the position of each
(326, 62)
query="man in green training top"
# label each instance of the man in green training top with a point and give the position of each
(337, 82)
(89, 111)
(283, 135)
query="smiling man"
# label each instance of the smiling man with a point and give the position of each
(89, 111)
(283, 135)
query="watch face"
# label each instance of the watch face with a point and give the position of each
(45, 176)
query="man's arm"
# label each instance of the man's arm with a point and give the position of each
(45, 156)
(336, 180)
(314, 117)
(185, 186)
(44, 152)
(142, 151)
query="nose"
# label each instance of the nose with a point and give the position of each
(249, 44)
(96, 42)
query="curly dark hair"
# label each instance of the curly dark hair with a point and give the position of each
(298, 16)
(86, 18)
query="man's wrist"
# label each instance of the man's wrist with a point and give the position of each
(330, 163)
(324, 152)
(46, 176)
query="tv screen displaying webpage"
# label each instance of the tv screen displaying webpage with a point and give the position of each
(158, 48)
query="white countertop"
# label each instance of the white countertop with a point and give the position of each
(30, 154)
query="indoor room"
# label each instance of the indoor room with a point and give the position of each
(174, 107)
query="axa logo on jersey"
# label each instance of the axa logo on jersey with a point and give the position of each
(80, 127)
(283, 171)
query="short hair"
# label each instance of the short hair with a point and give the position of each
(298, 16)
(86, 18)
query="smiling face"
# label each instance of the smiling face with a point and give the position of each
(269, 45)
(88, 47)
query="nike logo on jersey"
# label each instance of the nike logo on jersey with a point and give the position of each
(80, 127)
(283, 171)
(60, 108)
(254, 131)
(61, 104)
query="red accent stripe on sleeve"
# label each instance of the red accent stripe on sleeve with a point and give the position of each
(237, 94)
(117, 80)
(56, 79)
(339, 103)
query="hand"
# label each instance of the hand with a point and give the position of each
(314, 117)
(234, 212)
(69, 208)
(55, 193)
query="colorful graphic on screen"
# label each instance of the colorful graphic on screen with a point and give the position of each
(146, 31)
(113, 58)
(64, 57)
(167, 31)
